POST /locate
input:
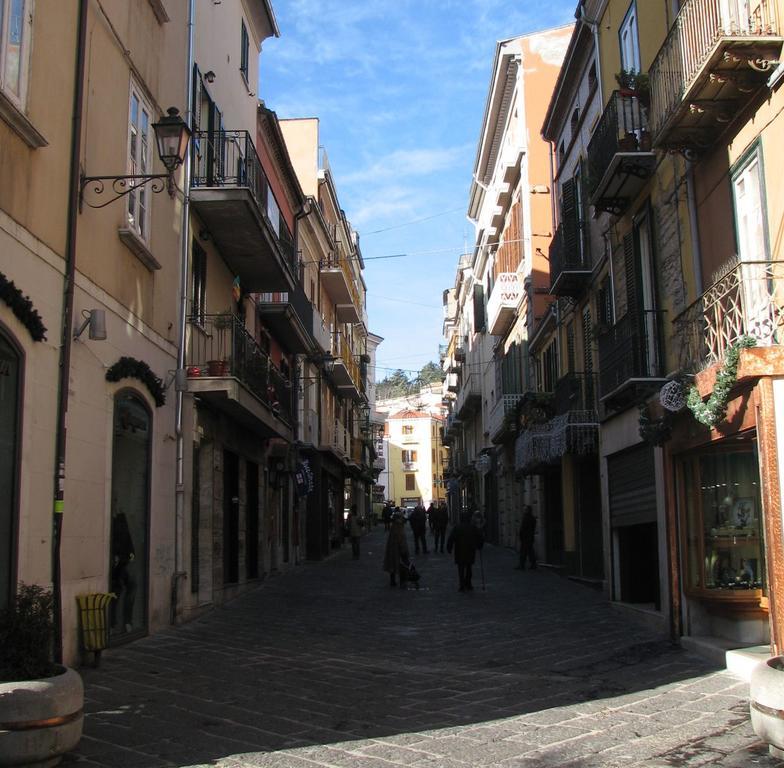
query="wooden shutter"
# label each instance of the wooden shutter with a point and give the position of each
(630, 267)
(479, 308)
(570, 222)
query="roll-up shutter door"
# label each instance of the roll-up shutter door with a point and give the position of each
(632, 485)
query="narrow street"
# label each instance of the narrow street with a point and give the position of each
(329, 666)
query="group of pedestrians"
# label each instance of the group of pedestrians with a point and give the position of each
(465, 540)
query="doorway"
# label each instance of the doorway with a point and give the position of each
(231, 518)
(10, 402)
(130, 516)
(553, 518)
(252, 519)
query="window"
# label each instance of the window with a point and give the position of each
(548, 373)
(244, 51)
(409, 456)
(139, 162)
(629, 41)
(410, 482)
(592, 76)
(433, 455)
(570, 348)
(574, 123)
(408, 429)
(15, 28)
(198, 283)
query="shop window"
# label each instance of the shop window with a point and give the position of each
(720, 501)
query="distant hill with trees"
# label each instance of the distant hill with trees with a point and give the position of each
(399, 383)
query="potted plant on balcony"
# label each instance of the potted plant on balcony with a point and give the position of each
(40, 702)
(222, 325)
(633, 83)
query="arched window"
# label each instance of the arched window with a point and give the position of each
(10, 412)
(130, 515)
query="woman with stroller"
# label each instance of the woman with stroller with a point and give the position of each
(397, 549)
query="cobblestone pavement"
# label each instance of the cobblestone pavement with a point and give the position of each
(329, 666)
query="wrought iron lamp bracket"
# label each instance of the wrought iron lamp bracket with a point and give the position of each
(122, 185)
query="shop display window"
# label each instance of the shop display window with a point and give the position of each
(723, 521)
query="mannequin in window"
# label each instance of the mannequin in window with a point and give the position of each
(123, 581)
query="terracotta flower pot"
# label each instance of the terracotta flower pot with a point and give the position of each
(40, 720)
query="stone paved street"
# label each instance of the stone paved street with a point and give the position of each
(329, 666)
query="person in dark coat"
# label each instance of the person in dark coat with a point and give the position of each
(122, 576)
(465, 539)
(418, 522)
(527, 532)
(440, 522)
(396, 548)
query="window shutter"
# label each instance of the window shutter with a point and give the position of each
(570, 223)
(479, 308)
(630, 267)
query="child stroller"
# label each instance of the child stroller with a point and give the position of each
(408, 572)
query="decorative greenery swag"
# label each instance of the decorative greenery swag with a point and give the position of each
(714, 409)
(131, 368)
(23, 308)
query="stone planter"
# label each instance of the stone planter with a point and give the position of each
(767, 703)
(40, 720)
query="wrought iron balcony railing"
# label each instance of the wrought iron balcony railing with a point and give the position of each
(229, 159)
(619, 154)
(576, 392)
(711, 44)
(499, 421)
(746, 299)
(629, 352)
(570, 259)
(219, 346)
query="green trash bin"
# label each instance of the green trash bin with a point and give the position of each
(94, 623)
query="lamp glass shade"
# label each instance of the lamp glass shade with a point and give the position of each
(172, 136)
(329, 363)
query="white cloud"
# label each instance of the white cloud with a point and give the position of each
(408, 163)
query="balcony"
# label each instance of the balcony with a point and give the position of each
(570, 260)
(231, 195)
(335, 438)
(409, 466)
(379, 464)
(620, 159)
(345, 374)
(356, 445)
(746, 300)
(227, 369)
(469, 398)
(452, 382)
(339, 283)
(716, 58)
(321, 333)
(501, 423)
(504, 300)
(289, 316)
(310, 427)
(576, 392)
(630, 360)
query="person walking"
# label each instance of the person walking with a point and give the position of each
(527, 533)
(354, 528)
(418, 521)
(386, 516)
(440, 522)
(465, 539)
(396, 548)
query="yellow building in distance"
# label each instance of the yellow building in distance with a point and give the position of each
(416, 458)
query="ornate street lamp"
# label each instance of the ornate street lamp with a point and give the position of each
(171, 138)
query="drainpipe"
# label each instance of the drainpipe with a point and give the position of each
(696, 252)
(66, 334)
(179, 490)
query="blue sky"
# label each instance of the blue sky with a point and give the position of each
(400, 88)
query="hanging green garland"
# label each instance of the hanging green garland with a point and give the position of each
(714, 409)
(131, 368)
(23, 308)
